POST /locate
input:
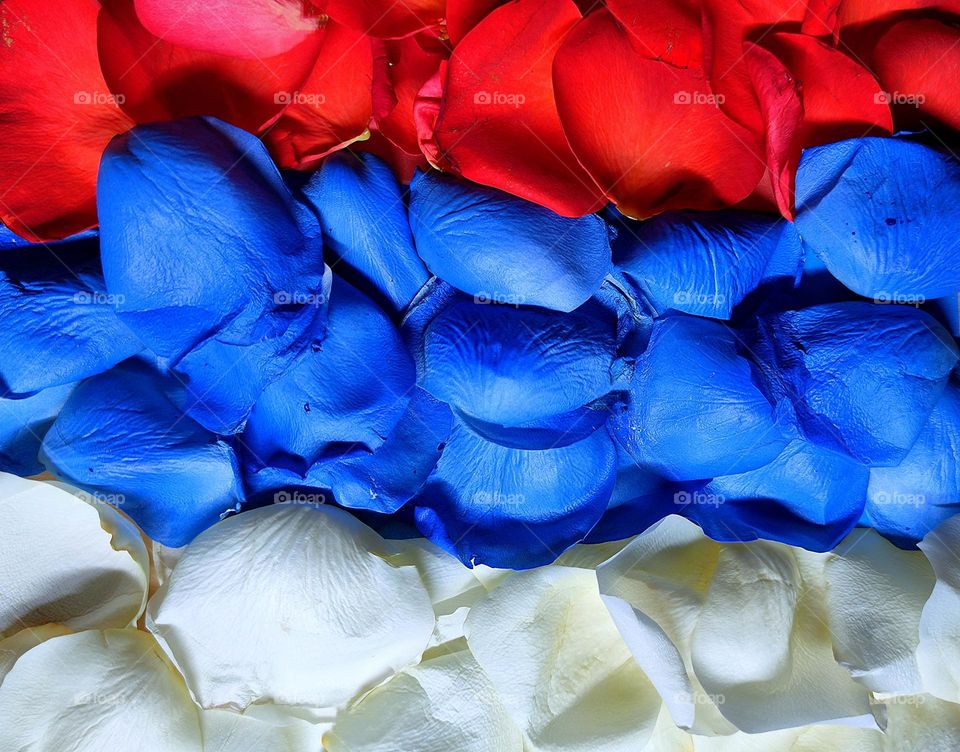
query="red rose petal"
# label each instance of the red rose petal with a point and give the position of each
(334, 105)
(463, 15)
(426, 110)
(918, 62)
(388, 19)
(498, 123)
(650, 133)
(57, 116)
(668, 30)
(239, 28)
(160, 80)
(853, 12)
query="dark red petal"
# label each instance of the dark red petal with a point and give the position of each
(822, 19)
(57, 116)
(403, 165)
(238, 28)
(334, 105)
(160, 80)
(918, 63)
(853, 12)
(649, 133)
(782, 110)
(668, 30)
(463, 15)
(498, 123)
(389, 19)
(426, 109)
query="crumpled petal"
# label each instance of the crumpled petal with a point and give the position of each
(444, 703)
(498, 124)
(119, 436)
(232, 295)
(874, 595)
(60, 324)
(313, 627)
(263, 727)
(922, 722)
(938, 653)
(24, 421)
(57, 115)
(343, 399)
(510, 366)
(517, 508)
(698, 263)
(365, 226)
(880, 212)
(501, 249)
(559, 664)
(694, 410)
(113, 689)
(863, 377)
(907, 501)
(65, 561)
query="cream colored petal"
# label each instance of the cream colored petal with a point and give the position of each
(938, 653)
(805, 739)
(287, 604)
(26, 639)
(65, 561)
(922, 723)
(762, 646)
(591, 555)
(445, 703)
(229, 731)
(97, 691)
(565, 675)
(875, 593)
(667, 737)
(451, 585)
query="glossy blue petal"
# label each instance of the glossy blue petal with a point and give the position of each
(120, 436)
(694, 410)
(516, 508)
(344, 397)
(23, 423)
(882, 214)
(863, 377)
(907, 501)
(500, 248)
(511, 366)
(57, 324)
(9, 240)
(219, 269)
(702, 263)
(364, 221)
(381, 481)
(808, 496)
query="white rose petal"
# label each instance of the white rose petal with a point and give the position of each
(229, 731)
(96, 691)
(552, 651)
(938, 653)
(922, 723)
(287, 604)
(806, 739)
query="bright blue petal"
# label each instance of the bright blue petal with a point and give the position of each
(500, 248)
(512, 366)
(9, 240)
(343, 398)
(863, 377)
(808, 496)
(57, 324)
(882, 214)
(364, 221)
(119, 435)
(697, 262)
(694, 411)
(516, 508)
(381, 481)
(907, 501)
(220, 270)
(23, 423)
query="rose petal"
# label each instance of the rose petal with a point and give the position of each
(385, 18)
(938, 653)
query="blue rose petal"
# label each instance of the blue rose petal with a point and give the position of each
(500, 248)
(882, 214)
(364, 220)
(515, 508)
(119, 435)
(24, 421)
(220, 270)
(863, 377)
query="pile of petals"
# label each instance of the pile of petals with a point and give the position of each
(296, 627)
(453, 361)
(652, 105)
